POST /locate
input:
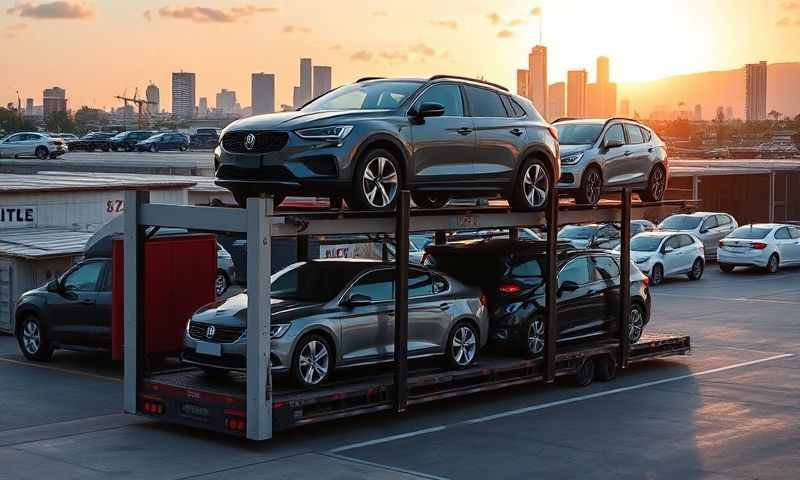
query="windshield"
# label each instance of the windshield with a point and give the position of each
(420, 241)
(155, 137)
(749, 233)
(365, 96)
(681, 222)
(119, 136)
(645, 243)
(578, 133)
(576, 232)
(317, 282)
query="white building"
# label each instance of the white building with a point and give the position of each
(183, 94)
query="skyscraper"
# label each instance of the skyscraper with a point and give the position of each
(576, 93)
(263, 93)
(183, 94)
(297, 100)
(556, 100)
(153, 94)
(603, 75)
(522, 83)
(537, 78)
(601, 97)
(202, 106)
(698, 113)
(29, 106)
(226, 101)
(54, 100)
(755, 106)
(322, 80)
(305, 81)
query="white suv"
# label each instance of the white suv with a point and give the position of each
(32, 144)
(709, 227)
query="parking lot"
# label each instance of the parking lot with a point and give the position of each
(729, 410)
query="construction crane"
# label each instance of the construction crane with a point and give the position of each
(139, 103)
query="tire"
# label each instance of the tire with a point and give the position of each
(533, 338)
(605, 369)
(183, 148)
(128, 148)
(532, 186)
(114, 149)
(726, 267)
(773, 264)
(635, 323)
(696, 273)
(221, 283)
(430, 200)
(462, 345)
(41, 153)
(657, 274)
(153, 148)
(306, 375)
(105, 148)
(584, 374)
(241, 199)
(656, 185)
(377, 181)
(32, 339)
(591, 188)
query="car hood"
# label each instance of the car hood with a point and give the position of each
(233, 311)
(290, 120)
(570, 149)
(641, 255)
(577, 242)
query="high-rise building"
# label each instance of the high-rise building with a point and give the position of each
(601, 97)
(183, 94)
(29, 106)
(755, 106)
(153, 94)
(305, 81)
(603, 76)
(594, 100)
(537, 78)
(202, 106)
(297, 100)
(54, 100)
(576, 93)
(624, 108)
(322, 80)
(522, 83)
(263, 93)
(556, 101)
(698, 113)
(226, 101)
(728, 113)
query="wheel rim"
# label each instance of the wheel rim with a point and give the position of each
(697, 269)
(636, 325)
(41, 153)
(536, 337)
(658, 275)
(593, 186)
(464, 346)
(31, 337)
(314, 361)
(657, 184)
(773, 263)
(220, 284)
(379, 182)
(535, 185)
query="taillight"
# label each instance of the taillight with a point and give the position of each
(758, 245)
(484, 300)
(646, 280)
(235, 420)
(553, 132)
(153, 407)
(509, 288)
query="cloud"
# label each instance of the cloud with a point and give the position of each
(11, 31)
(783, 22)
(445, 55)
(336, 47)
(422, 49)
(790, 6)
(362, 56)
(536, 11)
(379, 13)
(505, 34)
(494, 18)
(61, 9)
(451, 24)
(148, 15)
(394, 56)
(212, 15)
(295, 29)
(516, 22)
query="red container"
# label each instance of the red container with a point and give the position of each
(179, 277)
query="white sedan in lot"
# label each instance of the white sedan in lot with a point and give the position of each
(32, 144)
(662, 254)
(766, 245)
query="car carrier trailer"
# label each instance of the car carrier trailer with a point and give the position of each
(251, 405)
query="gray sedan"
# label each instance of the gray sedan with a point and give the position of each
(340, 313)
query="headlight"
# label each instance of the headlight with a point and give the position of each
(572, 158)
(643, 260)
(334, 133)
(277, 331)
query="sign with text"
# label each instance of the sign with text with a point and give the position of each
(17, 216)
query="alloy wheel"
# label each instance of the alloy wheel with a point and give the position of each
(379, 182)
(697, 269)
(657, 184)
(464, 346)
(772, 266)
(536, 337)
(31, 337)
(220, 284)
(535, 185)
(314, 362)
(593, 186)
(635, 325)
(658, 275)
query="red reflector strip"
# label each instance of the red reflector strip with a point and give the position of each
(509, 288)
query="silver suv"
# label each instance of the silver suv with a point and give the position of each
(601, 155)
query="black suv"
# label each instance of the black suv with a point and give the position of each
(511, 274)
(127, 140)
(440, 137)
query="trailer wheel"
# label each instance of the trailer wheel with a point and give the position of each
(605, 368)
(585, 373)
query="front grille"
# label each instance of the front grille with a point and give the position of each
(265, 142)
(268, 172)
(221, 334)
(228, 361)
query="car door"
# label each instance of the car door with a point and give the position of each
(103, 308)
(501, 136)
(27, 144)
(710, 236)
(614, 159)
(443, 146)
(428, 313)
(72, 310)
(10, 146)
(637, 151)
(606, 274)
(671, 255)
(688, 252)
(786, 245)
(575, 307)
(368, 330)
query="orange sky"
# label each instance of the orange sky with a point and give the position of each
(105, 47)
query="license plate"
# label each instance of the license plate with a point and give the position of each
(208, 348)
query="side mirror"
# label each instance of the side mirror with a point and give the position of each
(704, 230)
(356, 300)
(430, 109)
(667, 249)
(609, 144)
(54, 286)
(567, 286)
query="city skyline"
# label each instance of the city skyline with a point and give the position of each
(486, 40)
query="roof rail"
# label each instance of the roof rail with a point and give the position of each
(622, 118)
(563, 119)
(458, 77)
(366, 79)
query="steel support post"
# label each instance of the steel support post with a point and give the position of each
(513, 233)
(551, 290)
(133, 308)
(259, 381)
(401, 303)
(303, 242)
(771, 200)
(625, 278)
(439, 237)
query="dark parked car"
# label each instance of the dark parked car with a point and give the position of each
(92, 141)
(510, 273)
(164, 141)
(127, 140)
(440, 137)
(330, 314)
(205, 138)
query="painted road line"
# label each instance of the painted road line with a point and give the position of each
(383, 467)
(61, 370)
(729, 299)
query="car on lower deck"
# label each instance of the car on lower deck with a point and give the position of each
(665, 254)
(765, 245)
(331, 314)
(511, 274)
